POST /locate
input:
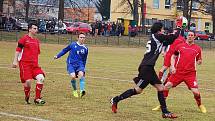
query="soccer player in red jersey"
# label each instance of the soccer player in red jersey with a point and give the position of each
(184, 69)
(26, 55)
(170, 50)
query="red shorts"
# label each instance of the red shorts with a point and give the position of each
(167, 59)
(29, 70)
(189, 79)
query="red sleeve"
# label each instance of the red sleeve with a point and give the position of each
(176, 50)
(21, 44)
(199, 56)
(38, 46)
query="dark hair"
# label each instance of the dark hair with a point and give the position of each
(81, 33)
(156, 27)
(31, 24)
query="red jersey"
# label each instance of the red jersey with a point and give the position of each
(29, 48)
(177, 41)
(188, 55)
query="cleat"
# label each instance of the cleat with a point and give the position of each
(202, 109)
(27, 100)
(82, 93)
(169, 115)
(75, 93)
(39, 101)
(114, 106)
(157, 108)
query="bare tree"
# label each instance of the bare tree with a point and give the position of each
(143, 14)
(27, 5)
(61, 10)
(136, 13)
(1, 6)
(190, 13)
(103, 7)
(213, 16)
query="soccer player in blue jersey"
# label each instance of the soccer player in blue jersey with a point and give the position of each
(76, 63)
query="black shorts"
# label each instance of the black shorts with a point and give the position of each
(147, 75)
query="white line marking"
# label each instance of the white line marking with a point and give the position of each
(120, 80)
(20, 116)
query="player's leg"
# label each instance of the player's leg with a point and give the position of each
(160, 88)
(192, 84)
(81, 76)
(71, 71)
(26, 79)
(73, 84)
(167, 86)
(197, 97)
(162, 101)
(39, 75)
(27, 89)
(82, 83)
(39, 86)
(128, 93)
(140, 85)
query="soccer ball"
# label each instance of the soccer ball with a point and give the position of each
(181, 22)
(184, 22)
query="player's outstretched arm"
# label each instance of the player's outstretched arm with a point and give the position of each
(15, 60)
(172, 67)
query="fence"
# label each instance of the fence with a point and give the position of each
(125, 41)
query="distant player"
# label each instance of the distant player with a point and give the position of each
(184, 69)
(76, 63)
(147, 74)
(26, 56)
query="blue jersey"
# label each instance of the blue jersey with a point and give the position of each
(77, 55)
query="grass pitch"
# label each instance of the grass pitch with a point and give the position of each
(109, 72)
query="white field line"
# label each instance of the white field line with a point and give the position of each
(21, 116)
(120, 80)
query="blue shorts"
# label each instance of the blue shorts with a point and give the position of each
(75, 68)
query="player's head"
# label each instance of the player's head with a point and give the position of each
(32, 28)
(156, 27)
(81, 38)
(191, 35)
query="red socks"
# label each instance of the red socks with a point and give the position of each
(165, 93)
(160, 75)
(38, 90)
(27, 91)
(198, 99)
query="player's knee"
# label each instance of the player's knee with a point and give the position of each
(138, 90)
(168, 85)
(159, 87)
(73, 76)
(196, 92)
(40, 78)
(27, 83)
(80, 74)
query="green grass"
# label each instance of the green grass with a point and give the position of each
(109, 70)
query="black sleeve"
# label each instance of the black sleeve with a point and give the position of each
(20, 45)
(167, 39)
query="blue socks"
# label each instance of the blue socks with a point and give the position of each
(82, 83)
(73, 83)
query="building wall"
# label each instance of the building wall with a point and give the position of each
(80, 15)
(160, 13)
